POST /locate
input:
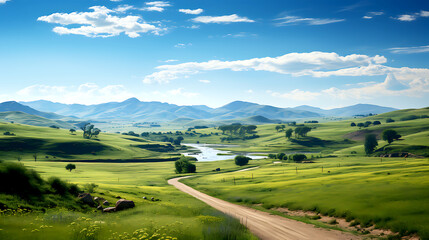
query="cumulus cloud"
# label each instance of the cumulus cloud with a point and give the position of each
(204, 81)
(158, 6)
(3, 1)
(190, 11)
(370, 15)
(293, 20)
(296, 64)
(233, 18)
(419, 49)
(123, 8)
(83, 94)
(101, 22)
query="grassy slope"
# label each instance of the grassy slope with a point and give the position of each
(392, 193)
(25, 118)
(331, 134)
(60, 143)
(131, 181)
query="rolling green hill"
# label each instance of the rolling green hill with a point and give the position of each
(28, 119)
(58, 144)
(334, 137)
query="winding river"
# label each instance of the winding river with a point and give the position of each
(207, 152)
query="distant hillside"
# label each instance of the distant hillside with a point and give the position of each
(28, 119)
(17, 107)
(135, 110)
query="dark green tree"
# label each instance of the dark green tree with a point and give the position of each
(288, 133)
(389, 135)
(183, 165)
(370, 143)
(353, 124)
(299, 157)
(72, 130)
(70, 167)
(241, 160)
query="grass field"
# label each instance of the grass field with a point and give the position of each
(390, 194)
(59, 144)
(176, 214)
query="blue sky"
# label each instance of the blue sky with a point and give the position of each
(283, 53)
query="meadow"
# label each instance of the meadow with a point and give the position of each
(175, 216)
(389, 193)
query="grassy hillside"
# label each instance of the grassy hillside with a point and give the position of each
(332, 137)
(176, 214)
(389, 194)
(59, 144)
(28, 119)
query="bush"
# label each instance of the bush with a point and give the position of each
(58, 186)
(376, 123)
(20, 181)
(272, 156)
(299, 157)
(241, 160)
(183, 165)
(389, 120)
(281, 156)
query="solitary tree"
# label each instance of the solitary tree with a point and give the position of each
(370, 143)
(72, 130)
(241, 160)
(289, 133)
(70, 167)
(278, 127)
(389, 135)
(183, 165)
(353, 124)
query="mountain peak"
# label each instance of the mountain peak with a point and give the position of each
(131, 100)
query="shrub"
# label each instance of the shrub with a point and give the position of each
(20, 180)
(272, 156)
(58, 186)
(389, 120)
(183, 165)
(298, 157)
(90, 187)
(376, 123)
(241, 160)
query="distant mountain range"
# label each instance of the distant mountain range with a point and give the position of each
(135, 110)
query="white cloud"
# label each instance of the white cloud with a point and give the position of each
(412, 17)
(233, 18)
(181, 92)
(183, 45)
(292, 20)
(158, 6)
(296, 64)
(123, 8)
(407, 18)
(297, 95)
(419, 49)
(3, 1)
(170, 60)
(240, 35)
(99, 23)
(204, 81)
(370, 15)
(88, 93)
(250, 91)
(116, 0)
(190, 11)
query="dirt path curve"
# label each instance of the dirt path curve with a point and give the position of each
(262, 224)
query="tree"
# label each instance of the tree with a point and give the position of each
(70, 167)
(280, 156)
(302, 131)
(299, 157)
(241, 160)
(367, 123)
(370, 143)
(289, 133)
(35, 157)
(278, 127)
(360, 125)
(389, 135)
(272, 156)
(376, 122)
(72, 131)
(183, 165)
(89, 130)
(389, 120)
(353, 124)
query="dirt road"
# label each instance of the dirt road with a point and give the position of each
(262, 224)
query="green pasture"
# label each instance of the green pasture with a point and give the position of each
(389, 193)
(176, 214)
